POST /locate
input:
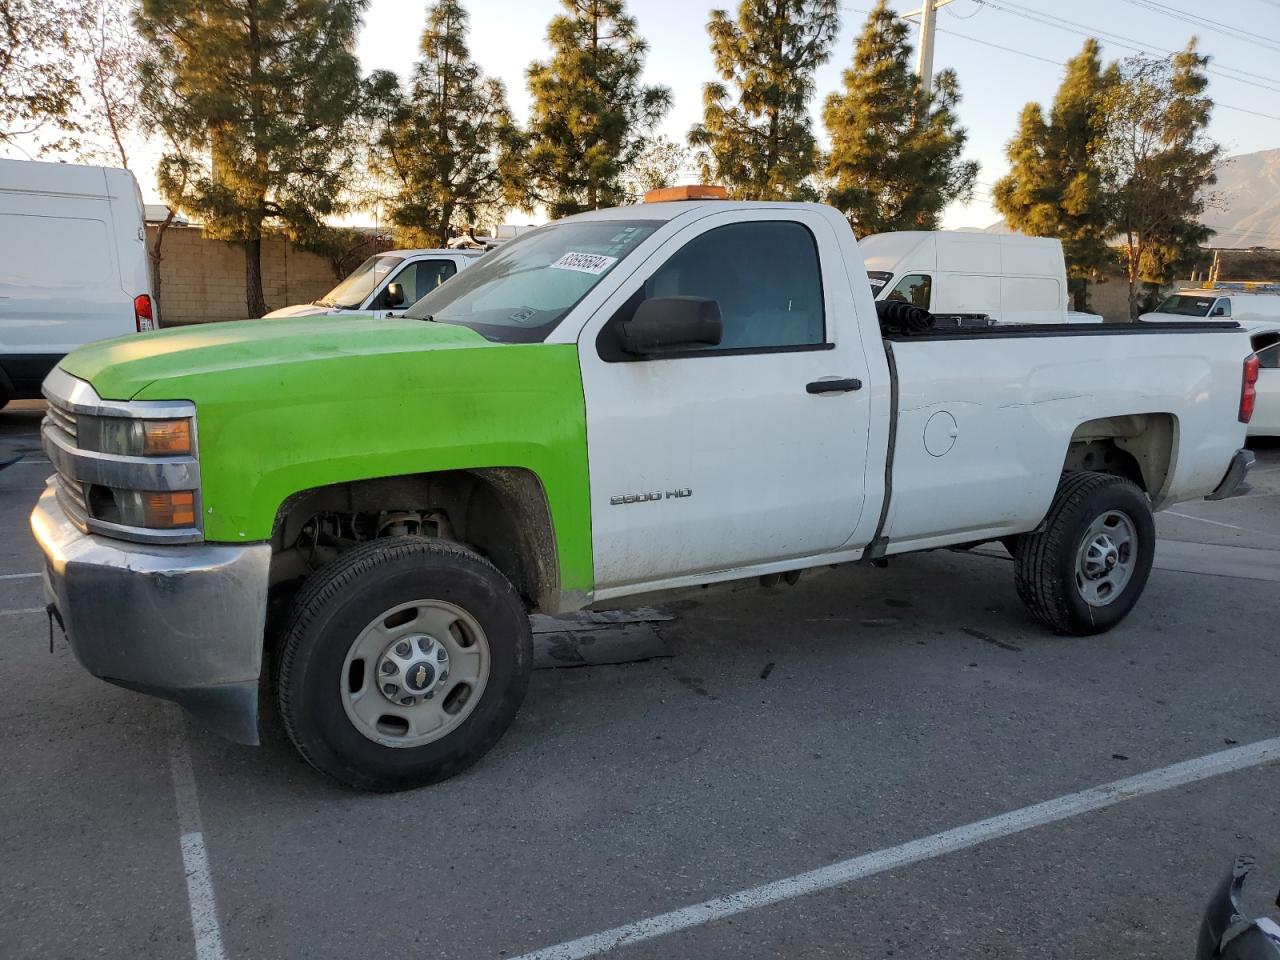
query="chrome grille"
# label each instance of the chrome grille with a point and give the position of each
(71, 496)
(71, 493)
(62, 418)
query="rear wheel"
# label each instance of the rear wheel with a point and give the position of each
(404, 662)
(1084, 569)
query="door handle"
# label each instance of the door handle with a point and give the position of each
(834, 386)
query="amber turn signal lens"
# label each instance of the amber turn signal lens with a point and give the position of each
(174, 508)
(165, 437)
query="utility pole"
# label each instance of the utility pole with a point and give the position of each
(928, 15)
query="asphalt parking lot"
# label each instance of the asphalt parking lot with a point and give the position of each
(785, 730)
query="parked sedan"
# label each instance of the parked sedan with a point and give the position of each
(386, 283)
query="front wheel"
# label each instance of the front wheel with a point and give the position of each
(1083, 570)
(404, 662)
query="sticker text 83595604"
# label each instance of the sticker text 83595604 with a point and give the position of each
(594, 263)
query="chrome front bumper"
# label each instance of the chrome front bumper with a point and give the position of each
(183, 622)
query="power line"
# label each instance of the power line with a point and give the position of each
(1268, 116)
(1060, 63)
(1116, 39)
(998, 46)
(1216, 26)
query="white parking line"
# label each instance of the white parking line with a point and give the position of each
(18, 576)
(28, 461)
(949, 841)
(195, 859)
(21, 612)
(1219, 523)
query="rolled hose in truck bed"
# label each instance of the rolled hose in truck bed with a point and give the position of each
(899, 317)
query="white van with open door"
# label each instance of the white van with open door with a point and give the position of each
(1008, 278)
(73, 266)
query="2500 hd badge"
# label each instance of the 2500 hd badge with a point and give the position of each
(647, 497)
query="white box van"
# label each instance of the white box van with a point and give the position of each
(1244, 301)
(73, 266)
(1008, 277)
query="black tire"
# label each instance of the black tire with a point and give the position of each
(1046, 562)
(339, 601)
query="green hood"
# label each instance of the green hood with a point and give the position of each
(121, 368)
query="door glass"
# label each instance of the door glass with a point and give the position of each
(764, 276)
(914, 289)
(417, 280)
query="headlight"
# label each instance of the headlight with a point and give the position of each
(151, 509)
(128, 437)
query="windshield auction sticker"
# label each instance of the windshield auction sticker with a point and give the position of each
(594, 263)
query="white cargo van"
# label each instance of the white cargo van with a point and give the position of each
(1243, 301)
(73, 266)
(1007, 277)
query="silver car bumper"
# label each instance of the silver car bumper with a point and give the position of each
(183, 622)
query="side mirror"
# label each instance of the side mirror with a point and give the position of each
(1219, 312)
(394, 297)
(664, 324)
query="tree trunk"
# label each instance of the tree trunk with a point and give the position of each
(253, 299)
(155, 256)
(446, 220)
(1079, 289)
(1133, 297)
(1134, 250)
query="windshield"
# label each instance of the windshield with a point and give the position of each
(353, 291)
(518, 293)
(1184, 306)
(877, 279)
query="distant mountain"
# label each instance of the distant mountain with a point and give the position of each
(1249, 191)
(1249, 187)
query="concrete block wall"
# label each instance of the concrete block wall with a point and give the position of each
(203, 279)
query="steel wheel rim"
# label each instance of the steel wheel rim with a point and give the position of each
(1107, 558)
(435, 658)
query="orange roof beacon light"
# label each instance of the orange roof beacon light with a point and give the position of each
(690, 191)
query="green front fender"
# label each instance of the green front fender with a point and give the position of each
(272, 430)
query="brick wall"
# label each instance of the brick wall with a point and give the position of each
(203, 279)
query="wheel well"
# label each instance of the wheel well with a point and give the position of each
(500, 512)
(1139, 447)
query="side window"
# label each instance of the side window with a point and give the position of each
(915, 289)
(764, 275)
(417, 280)
(1267, 347)
(1222, 308)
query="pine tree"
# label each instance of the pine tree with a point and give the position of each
(757, 138)
(1054, 186)
(447, 145)
(264, 89)
(591, 115)
(1157, 165)
(895, 162)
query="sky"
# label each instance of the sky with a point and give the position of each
(994, 83)
(1002, 51)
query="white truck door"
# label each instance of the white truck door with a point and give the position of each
(720, 457)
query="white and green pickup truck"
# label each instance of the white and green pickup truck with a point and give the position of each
(352, 519)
